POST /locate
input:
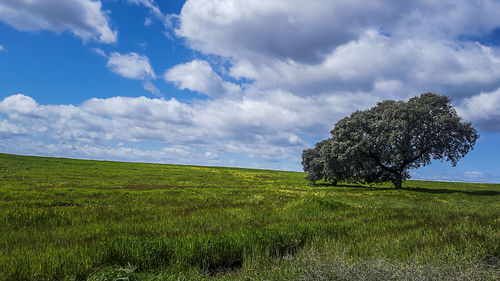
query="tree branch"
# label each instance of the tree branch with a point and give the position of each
(384, 167)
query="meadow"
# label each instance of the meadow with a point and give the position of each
(65, 219)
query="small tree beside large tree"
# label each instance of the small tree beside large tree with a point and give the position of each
(383, 143)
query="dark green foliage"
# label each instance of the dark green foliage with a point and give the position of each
(313, 163)
(63, 219)
(381, 144)
(319, 166)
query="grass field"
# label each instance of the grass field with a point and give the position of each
(63, 219)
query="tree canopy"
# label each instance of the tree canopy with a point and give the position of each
(383, 143)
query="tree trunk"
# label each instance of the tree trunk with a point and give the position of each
(398, 180)
(334, 182)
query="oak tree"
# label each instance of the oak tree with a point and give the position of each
(383, 143)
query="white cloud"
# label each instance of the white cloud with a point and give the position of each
(99, 52)
(130, 65)
(84, 18)
(199, 76)
(155, 13)
(149, 86)
(379, 50)
(151, 6)
(211, 155)
(474, 175)
(298, 30)
(140, 108)
(8, 129)
(305, 31)
(361, 65)
(125, 152)
(483, 110)
(2, 48)
(18, 104)
(251, 127)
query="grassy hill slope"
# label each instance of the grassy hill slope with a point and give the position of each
(71, 219)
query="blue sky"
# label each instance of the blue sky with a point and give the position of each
(237, 83)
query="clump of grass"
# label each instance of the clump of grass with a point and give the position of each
(313, 265)
(324, 262)
(113, 273)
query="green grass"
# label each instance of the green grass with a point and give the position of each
(64, 219)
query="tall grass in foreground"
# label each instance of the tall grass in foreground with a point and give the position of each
(65, 219)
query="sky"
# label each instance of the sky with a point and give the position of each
(236, 82)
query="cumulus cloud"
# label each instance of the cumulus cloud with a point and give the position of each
(8, 129)
(299, 30)
(123, 152)
(375, 59)
(199, 76)
(18, 104)
(379, 50)
(130, 65)
(304, 31)
(252, 127)
(483, 110)
(84, 18)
